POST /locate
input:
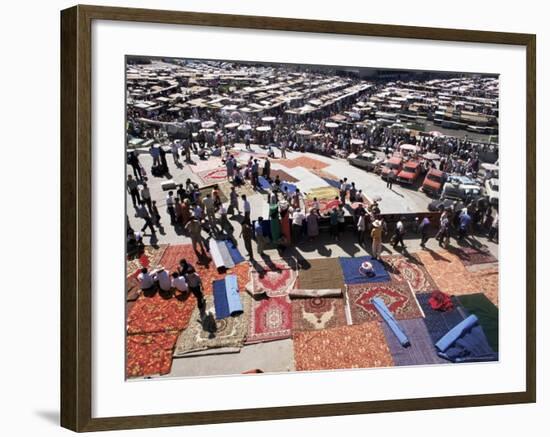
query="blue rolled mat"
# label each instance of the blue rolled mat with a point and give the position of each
(390, 320)
(234, 252)
(221, 305)
(232, 292)
(455, 333)
(264, 183)
(472, 346)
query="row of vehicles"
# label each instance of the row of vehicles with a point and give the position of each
(436, 183)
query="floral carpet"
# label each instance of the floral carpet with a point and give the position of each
(470, 256)
(274, 279)
(310, 314)
(157, 314)
(396, 295)
(149, 354)
(270, 319)
(346, 347)
(228, 332)
(213, 176)
(303, 161)
(407, 270)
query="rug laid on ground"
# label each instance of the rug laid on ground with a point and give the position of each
(345, 347)
(224, 333)
(149, 354)
(303, 161)
(362, 270)
(201, 165)
(446, 270)
(205, 268)
(321, 273)
(213, 176)
(409, 270)
(437, 322)
(270, 319)
(421, 349)
(396, 295)
(486, 281)
(273, 279)
(283, 175)
(470, 256)
(157, 314)
(208, 190)
(314, 313)
(487, 314)
(327, 198)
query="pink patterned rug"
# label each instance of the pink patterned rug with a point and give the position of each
(271, 319)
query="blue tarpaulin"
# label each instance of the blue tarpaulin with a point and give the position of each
(232, 293)
(221, 305)
(234, 252)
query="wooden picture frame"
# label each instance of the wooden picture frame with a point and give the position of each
(76, 218)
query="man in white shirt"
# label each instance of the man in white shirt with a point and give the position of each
(170, 206)
(174, 148)
(163, 278)
(246, 207)
(298, 218)
(146, 281)
(179, 283)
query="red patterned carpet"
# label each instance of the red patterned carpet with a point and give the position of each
(156, 314)
(396, 295)
(405, 270)
(207, 271)
(346, 347)
(274, 279)
(471, 256)
(270, 319)
(310, 314)
(149, 354)
(213, 176)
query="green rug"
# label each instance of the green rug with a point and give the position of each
(487, 313)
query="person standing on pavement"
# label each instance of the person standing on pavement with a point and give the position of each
(246, 207)
(133, 160)
(233, 202)
(261, 239)
(210, 210)
(174, 148)
(361, 228)
(246, 234)
(142, 213)
(424, 229)
(155, 153)
(390, 179)
(146, 195)
(171, 207)
(376, 235)
(194, 283)
(297, 225)
(132, 187)
(399, 234)
(194, 228)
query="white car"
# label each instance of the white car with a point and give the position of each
(491, 189)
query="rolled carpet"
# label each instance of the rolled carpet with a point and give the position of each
(455, 333)
(390, 321)
(232, 293)
(221, 303)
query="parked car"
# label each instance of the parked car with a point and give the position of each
(491, 190)
(461, 188)
(409, 173)
(393, 164)
(368, 160)
(433, 182)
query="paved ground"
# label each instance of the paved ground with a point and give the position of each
(275, 356)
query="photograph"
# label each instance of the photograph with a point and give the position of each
(293, 217)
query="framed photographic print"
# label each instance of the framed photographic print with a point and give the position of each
(268, 218)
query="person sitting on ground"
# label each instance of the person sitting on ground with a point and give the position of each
(163, 279)
(179, 284)
(146, 281)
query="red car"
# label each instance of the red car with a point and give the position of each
(433, 182)
(410, 172)
(393, 164)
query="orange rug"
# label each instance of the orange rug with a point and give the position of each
(346, 347)
(314, 313)
(303, 161)
(204, 267)
(451, 276)
(149, 354)
(157, 314)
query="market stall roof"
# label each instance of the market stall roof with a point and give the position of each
(208, 124)
(331, 124)
(269, 118)
(263, 128)
(244, 127)
(356, 141)
(304, 132)
(431, 156)
(193, 120)
(231, 125)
